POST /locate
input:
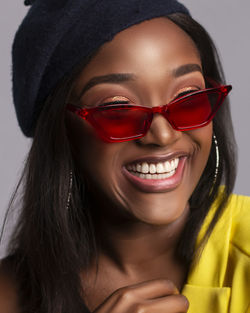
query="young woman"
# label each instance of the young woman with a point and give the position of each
(122, 206)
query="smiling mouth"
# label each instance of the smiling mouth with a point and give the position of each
(156, 175)
(155, 171)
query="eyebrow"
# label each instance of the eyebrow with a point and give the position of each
(186, 69)
(110, 78)
(118, 78)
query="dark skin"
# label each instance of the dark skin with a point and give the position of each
(138, 230)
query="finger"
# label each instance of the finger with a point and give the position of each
(137, 293)
(151, 289)
(170, 304)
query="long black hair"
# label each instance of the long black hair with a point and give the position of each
(52, 244)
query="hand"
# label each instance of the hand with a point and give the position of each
(155, 296)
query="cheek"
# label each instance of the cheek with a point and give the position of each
(203, 139)
(83, 141)
(95, 159)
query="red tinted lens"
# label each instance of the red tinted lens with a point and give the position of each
(194, 110)
(121, 122)
(117, 123)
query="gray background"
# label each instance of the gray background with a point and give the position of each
(228, 23)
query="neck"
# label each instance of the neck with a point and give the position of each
(135, 247)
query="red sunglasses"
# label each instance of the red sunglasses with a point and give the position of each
(122, 122)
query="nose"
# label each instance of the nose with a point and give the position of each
(160, 133)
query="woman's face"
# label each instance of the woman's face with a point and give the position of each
(160, 62)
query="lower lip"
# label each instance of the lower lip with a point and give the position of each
(158, 185)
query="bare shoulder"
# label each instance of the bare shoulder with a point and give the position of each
(8, 289)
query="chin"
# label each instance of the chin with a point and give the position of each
(161, 211)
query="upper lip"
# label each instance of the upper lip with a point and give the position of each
(159, 158)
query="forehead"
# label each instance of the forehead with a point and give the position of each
(153, 46)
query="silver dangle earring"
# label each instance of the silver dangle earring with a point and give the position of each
(217, 158)
(70, 189)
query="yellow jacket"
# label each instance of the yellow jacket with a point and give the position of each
(220, 281)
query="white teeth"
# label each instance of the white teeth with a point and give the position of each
(167, 166)
(150, 168)
(145, 167)
(138, 168)
(176, 162)
(154, 176)
(160, 168)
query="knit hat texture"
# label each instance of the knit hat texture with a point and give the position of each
(56, 35)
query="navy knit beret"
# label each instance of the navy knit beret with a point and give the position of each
(56, 35)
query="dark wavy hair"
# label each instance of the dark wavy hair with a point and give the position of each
(51, 245)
